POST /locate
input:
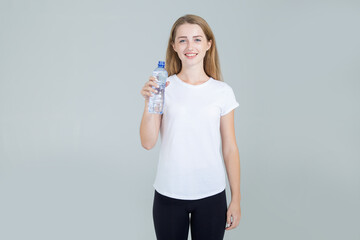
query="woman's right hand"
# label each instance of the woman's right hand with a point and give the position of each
(147, 89)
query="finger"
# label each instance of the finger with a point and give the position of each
(150, 89)
(146, 93)
(228, 219)
(152, 83)
(149, 94)
(230, 226)
(234, 223)
(152, 78)
(143, 92)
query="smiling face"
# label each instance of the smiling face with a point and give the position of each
(191, 44)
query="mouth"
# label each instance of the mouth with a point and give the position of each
(191, 55)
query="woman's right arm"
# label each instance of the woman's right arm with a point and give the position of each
(150, 122)
(149, 128)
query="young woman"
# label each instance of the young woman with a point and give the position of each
(198, 112)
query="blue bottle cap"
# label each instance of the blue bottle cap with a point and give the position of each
(161, 64)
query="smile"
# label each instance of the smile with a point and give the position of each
(190, 55)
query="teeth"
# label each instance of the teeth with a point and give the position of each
(191, 54)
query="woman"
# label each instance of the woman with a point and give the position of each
(198, 111)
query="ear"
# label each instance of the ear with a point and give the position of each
(173, 46)
(209, 44)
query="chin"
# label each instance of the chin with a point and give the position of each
(191, 62)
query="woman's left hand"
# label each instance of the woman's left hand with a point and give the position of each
(233, 211)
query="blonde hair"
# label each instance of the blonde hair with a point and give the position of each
(211, 59)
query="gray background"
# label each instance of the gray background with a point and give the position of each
(71, 163)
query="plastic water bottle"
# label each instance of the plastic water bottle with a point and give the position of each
(157, 100)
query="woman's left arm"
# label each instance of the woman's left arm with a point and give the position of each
(232, 163)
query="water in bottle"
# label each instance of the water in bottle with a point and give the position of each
(157, 100)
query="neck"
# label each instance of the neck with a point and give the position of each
(193, 74)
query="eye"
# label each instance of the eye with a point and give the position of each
(181, 41)
(197, 40)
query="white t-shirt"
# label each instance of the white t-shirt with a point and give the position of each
(190, 163)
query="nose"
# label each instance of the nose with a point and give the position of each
(190, 46)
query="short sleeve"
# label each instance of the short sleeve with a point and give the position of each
(228, 100)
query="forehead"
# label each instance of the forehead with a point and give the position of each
(188, 29)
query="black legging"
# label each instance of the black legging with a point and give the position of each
(207, 217)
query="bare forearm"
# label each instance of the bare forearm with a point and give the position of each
(149, 128)
(232, 163)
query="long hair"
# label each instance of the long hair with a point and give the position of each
(211, 59)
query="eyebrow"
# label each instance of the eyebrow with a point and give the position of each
(193, 36)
